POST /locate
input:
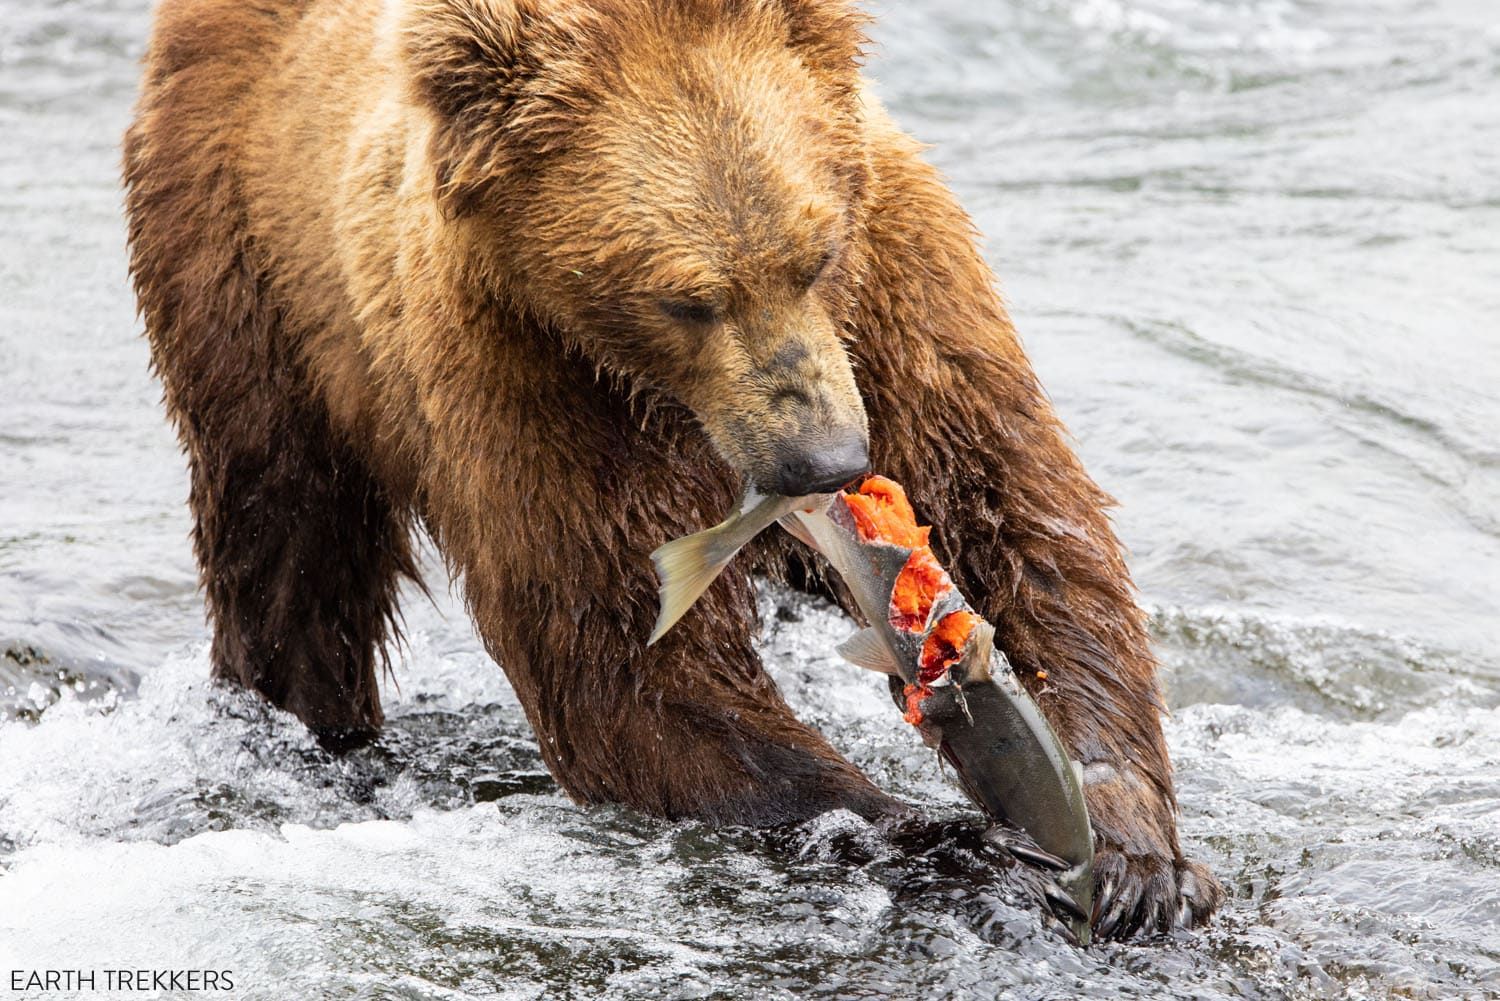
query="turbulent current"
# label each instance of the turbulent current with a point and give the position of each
(1253, 247)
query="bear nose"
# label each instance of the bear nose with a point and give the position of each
(824, 466)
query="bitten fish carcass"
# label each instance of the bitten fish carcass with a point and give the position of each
(951, 683)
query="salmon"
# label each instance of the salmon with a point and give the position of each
(952, 684)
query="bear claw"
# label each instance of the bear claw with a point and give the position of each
(1023, 848)
(1149, 894)
(1063, 904)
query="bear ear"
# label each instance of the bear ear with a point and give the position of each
(466, 54)
(468, 59)
(502, 78)
(830, 37)
(830, 34)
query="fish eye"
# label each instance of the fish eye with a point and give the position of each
(689, 311)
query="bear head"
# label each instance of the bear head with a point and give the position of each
(676, 188)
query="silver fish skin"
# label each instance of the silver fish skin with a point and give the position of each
(1010, 763)
(1008, 759)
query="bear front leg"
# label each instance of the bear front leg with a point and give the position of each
(957, 415)
(549, 496)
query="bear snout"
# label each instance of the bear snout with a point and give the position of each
(821, 463)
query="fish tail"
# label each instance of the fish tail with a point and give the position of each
(685, 568)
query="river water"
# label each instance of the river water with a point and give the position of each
(1254, 250)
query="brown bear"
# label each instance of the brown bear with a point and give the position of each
(554, 279)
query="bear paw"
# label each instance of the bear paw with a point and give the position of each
(1150, 894)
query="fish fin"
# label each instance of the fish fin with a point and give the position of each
(867, 650)
(981, 651)
(684, 568)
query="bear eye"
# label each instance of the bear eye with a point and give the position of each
(689, 311)
(816, 272)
